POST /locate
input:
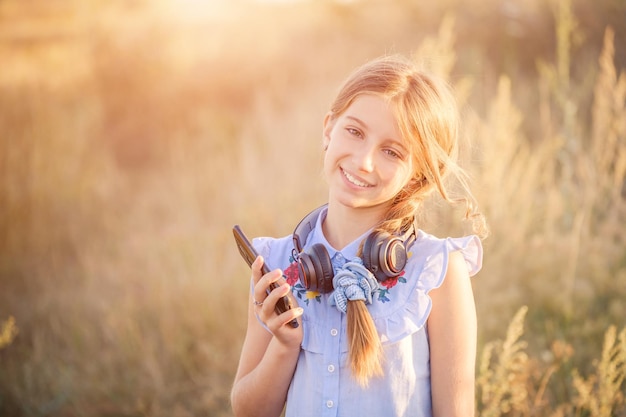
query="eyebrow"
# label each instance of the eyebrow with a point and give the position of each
(356, 119)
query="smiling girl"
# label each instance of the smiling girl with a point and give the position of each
(388, 322)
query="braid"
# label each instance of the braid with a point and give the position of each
(364, 343)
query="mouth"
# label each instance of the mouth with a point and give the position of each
(353, 180)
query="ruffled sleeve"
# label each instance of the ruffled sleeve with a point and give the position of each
(262, 246)
(425, 271)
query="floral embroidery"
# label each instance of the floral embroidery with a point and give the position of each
(305, 295)
(292, 275)
(387, 285)
(313, 294)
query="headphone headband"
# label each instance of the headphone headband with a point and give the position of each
(307, 224)
(384, 254)
(305, 227)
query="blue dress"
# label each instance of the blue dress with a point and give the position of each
(322, 384)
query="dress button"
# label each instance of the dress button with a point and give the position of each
(329, 403)
(331, 368)
(334, 332)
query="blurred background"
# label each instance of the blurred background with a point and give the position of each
(135, 133)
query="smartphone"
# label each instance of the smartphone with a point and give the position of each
(249, 255)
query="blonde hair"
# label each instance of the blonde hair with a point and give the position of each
(428, 118)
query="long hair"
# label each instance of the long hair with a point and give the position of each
(428, 118)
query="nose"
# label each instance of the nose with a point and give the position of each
(364, 158)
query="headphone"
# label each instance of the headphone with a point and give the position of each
(384, 255)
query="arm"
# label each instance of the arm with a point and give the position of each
(452, 332)
(268, 360)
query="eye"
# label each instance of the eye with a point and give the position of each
(354, 132)
(392, 153)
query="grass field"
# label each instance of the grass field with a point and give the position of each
(134, 134)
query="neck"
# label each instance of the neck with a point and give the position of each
(344, 224)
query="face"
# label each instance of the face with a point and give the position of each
(366, 162)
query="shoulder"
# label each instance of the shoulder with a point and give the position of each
(452, 299)
(431, 253)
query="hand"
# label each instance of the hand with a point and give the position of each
(265, 305)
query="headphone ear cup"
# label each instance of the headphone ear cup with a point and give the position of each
(370, 255)
(384, 255)
(316, 269)
(395, 257)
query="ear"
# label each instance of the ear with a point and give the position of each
(329, 123)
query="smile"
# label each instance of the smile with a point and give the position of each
(354, 181)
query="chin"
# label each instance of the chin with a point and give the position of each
(357, 204)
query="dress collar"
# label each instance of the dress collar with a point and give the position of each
(317, 236)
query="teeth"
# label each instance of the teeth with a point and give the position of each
(354, 180)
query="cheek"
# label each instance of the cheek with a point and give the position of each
(328, 162)
(335, 150)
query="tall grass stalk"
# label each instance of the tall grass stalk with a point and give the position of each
(510, 383)
(602, 394)
(503, 372)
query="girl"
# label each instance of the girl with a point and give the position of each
(386, 311)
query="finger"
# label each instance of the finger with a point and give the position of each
(280, 291)
(256, 267)
(263, 284)
(269, 306)
(291, 314)
(283, 320)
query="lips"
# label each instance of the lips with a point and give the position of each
(353, 180)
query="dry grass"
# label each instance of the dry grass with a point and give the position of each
(8, 331)
(511, 383)
(132, 137)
